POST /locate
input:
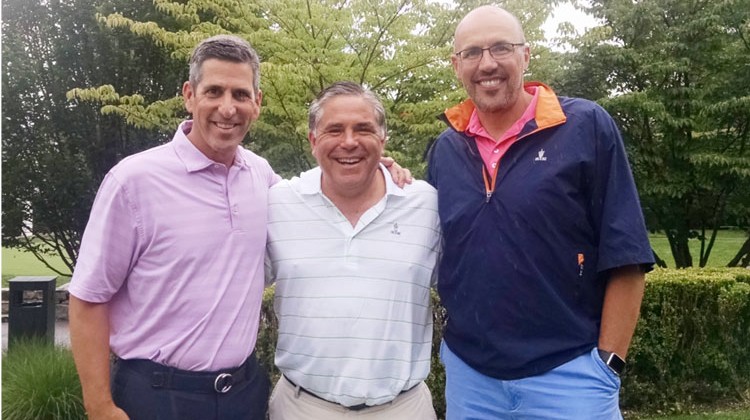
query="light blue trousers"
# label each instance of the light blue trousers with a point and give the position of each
(581, 389)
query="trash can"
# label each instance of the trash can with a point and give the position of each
(31, 309)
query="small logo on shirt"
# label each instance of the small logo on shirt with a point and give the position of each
(395, 230)
(540, 156)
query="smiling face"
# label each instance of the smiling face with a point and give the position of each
(347, 142)
(495, 85)
(224, 105)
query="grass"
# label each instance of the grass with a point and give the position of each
(728, 242)
(19, 263)
(718, 415)
(40, 382)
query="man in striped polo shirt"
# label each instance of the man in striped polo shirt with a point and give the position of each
(352, 256)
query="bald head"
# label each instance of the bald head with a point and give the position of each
(493, 80)
(487, 18)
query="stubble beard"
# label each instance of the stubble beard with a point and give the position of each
(501, 100)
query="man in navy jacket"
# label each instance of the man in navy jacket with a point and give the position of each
(545, 246)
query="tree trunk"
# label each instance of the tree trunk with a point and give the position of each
(743, 252)
(678, 242)
(659, 262)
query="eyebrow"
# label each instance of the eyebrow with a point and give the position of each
(364, 125)
(332, 126)
(222, 88)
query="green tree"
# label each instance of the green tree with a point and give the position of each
(398, 48)
(674, 75)
(55, 152)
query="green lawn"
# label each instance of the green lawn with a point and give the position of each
(728, 242)
(17, 263)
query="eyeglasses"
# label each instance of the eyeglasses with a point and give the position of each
(498, 50)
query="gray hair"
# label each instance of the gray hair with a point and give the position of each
(346, 89)
(228, 48)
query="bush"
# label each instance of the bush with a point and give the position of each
(40, 382)
(692, 343)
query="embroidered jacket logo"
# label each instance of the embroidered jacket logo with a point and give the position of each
(540, 156)
(395, 230)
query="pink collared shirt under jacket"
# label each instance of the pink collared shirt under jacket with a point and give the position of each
(492, 150)
(176, 244)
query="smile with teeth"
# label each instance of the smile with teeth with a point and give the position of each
(224, 125)
(489, 83)
(348, 161)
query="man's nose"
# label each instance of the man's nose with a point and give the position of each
(227, 107)
(349, 140)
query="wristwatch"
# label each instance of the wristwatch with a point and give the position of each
(612, 360)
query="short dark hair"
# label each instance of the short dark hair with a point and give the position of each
(228, 48)
(345, 89)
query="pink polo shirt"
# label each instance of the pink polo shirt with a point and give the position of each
(492, 150)
(176, 244)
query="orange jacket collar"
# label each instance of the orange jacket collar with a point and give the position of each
(548, 110)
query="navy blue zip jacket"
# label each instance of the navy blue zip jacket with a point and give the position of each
(524, 267)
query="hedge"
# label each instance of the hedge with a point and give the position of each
(691, 346)
(692, 342)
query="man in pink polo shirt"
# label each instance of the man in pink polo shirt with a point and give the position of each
(170, 273)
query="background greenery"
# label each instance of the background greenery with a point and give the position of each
(86, 83)
(727, 242)
(16, 262)
(40, 382)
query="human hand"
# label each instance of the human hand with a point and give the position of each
(401, 176)
(107, 412)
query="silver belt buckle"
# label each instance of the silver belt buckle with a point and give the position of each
(223, 383)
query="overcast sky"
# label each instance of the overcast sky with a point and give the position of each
(567, 13)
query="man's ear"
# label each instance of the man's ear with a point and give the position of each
(187, 96)
(313, 141)
(454, 62)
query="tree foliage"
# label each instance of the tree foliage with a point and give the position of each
(56, 151)
(674, 73)
(398, 48)
(87, 83)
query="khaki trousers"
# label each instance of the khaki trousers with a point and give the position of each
(289, 403)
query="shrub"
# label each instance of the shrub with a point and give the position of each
(692, 343)
(40, 382)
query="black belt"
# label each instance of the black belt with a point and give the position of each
(165, 377)
(357, 407)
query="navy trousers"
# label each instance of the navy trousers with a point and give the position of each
(149, 391)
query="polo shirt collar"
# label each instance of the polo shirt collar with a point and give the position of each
(193, 159)
(310, 182)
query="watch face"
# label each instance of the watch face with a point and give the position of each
(612, 360)
(616, 363)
